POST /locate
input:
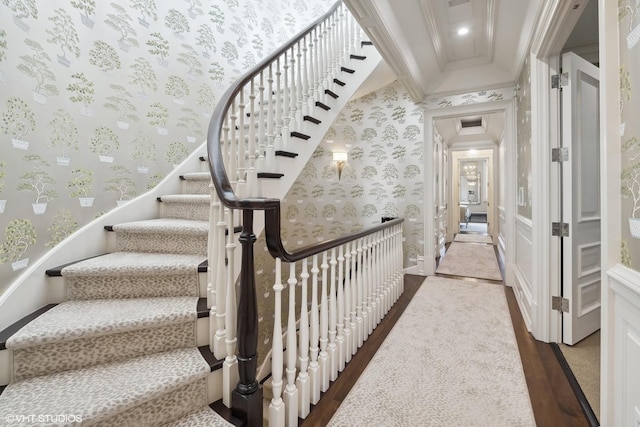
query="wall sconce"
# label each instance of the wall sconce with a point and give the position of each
(340, 159)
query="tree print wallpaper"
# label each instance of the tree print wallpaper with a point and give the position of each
(382, 134)
(523, 143)
(629, 27)
(100, 99)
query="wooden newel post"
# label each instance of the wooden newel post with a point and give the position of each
(247, 397)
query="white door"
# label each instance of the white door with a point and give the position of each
(581, 199)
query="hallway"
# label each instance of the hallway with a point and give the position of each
(552, 400)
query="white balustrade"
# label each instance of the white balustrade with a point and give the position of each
(359, 280)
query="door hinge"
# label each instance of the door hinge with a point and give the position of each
(560, 304)
(560, 229)
(559, 80)
(560, 154)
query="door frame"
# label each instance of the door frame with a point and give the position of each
(458, 154)
(556, 23)
(504, 106)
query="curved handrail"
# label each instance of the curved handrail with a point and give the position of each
(214, 147)
(271, 206)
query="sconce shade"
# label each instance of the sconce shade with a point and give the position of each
(340, 159)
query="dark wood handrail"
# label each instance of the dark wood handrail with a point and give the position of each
(277, 249)
(214, 147)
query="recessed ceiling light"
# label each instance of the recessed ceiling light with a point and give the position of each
(463, 31)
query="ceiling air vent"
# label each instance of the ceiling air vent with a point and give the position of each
(454, 3)
(470, 123)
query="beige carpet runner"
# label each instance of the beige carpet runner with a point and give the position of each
(470, 260)
(451, 360)
(473, 238)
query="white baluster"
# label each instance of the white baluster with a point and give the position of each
(303, 383)
(348, 337)
(252, 175)
(340, 339)
(276, 407)
(230, 374)
(290, 391)
(261, 163)
(212, 254)
(314, 367)
(324, 326)
(312, 69)
(359, 313)
(365, 290)
(299, 88)
(306, 75)
(286, 118)
(221, 314)
(294, 124)
(270, 163)
(378, 273)
(400, 259)
(218, 345)
(241, 189)
(354, 299)
(369, 285)
(212, 251)
(332, 349)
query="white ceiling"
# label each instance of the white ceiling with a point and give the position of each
(419, 41)
(420, 44)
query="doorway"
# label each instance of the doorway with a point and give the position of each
(472, 192)
(502, 149)
(574, 200)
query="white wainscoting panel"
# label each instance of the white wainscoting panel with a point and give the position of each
(625, 307)
(523, 269)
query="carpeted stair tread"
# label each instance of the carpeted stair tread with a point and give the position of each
(204, 417)
(74, 320)
(133, 275)
(98, 393)
(134, 264)
(204, 199)
(197, 176)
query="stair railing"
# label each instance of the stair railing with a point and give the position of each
(242, 142)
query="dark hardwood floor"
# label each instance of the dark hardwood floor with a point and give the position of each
(552, 399)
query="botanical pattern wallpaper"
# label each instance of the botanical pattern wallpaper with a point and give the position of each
(629, 27)
(470, 98)
(99, 99)
(382, 134)
(523, 143)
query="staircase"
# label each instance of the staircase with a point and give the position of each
(130, 343)
(130, 336)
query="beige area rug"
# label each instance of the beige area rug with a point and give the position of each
(473, 238)
(451, 360)
(584, 360)
(470, 260)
